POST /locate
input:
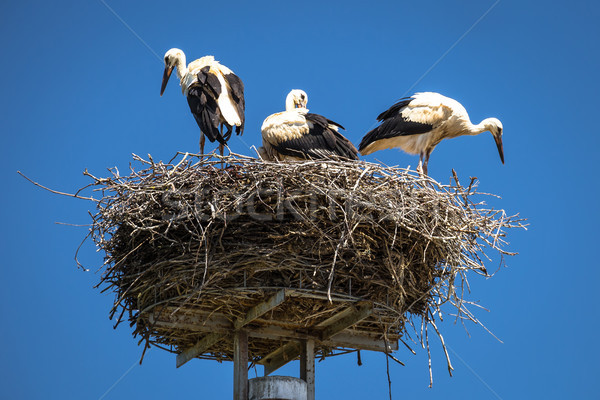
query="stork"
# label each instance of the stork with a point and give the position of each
(418, 123)
(214, 93)
(296, 134)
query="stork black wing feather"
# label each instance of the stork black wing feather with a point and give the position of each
(393, 125)
(338, 143)
(321, 142)
(202, 98)
(237, 93)
(395, 110)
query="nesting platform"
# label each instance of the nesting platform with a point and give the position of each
(340, 255)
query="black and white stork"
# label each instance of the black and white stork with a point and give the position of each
(418, 123)
(296, 134)
(214, 93)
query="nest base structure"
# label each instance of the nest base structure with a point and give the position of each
(292, 259)
(276, 321)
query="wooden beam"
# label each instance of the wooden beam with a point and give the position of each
(218, 323)
(335, 324)
(260, 309)
(336, 317)
(281, 356)
(240, 365)
(359, 312)
(200, 347)
(361, 341)
(350, 339)
(307, 367)
(200, 322)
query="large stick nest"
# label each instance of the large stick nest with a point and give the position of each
(197, 237)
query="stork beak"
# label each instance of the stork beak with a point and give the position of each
(166, 76)
(498, 139)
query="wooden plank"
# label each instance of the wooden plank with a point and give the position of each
(200, 347)
(354, 340)
(204, 322)
(240, 365)
(261, 309)
(281, 356)
(360, 312)
(324, 296)
(336, 317)
(361, 342)
(218, 323)
(307, 367)
(291, 350)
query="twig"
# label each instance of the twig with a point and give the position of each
(56, 191)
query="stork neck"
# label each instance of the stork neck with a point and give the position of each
(477, 129)
(472, 129)
(181, 66)
(289, 103)
(484, 126)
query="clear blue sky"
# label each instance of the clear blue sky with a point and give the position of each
(79, 90)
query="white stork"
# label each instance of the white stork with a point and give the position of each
(296, 134)
(418, 123)
(214, 93)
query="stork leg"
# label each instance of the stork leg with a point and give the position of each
(202, 140)
(420, 166)
(221, 147)
(423, 161)
(426, 161)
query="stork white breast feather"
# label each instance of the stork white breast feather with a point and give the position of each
(287, 124)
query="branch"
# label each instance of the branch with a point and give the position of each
(56, 191)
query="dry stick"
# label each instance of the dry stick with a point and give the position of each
(387, 366)
(408, 347)
(56, 191)
(432, 322)
(395, 359)
(79, 265)
(429, 358)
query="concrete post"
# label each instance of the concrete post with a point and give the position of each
(276, 387)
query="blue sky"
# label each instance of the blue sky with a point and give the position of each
(79, 90)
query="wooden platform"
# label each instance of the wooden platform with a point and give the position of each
(266, 334)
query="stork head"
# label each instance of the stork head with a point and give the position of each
(296, 99)
(495, 127)
(173, 58)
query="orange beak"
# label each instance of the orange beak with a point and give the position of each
(166, 76)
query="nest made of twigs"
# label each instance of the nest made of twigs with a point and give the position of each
(216, 235)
